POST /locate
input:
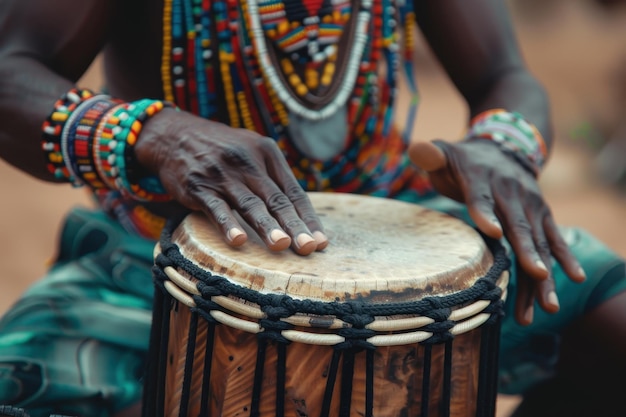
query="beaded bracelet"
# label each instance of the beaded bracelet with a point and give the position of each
(514, 134)
(52, 129)
(78, 137)
(89, 139)
(116, 147)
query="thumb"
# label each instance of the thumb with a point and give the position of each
(427, 156)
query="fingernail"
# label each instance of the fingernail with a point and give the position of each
(321, 239)
(236, 236)
(528, 315)
(582, 273)
(278, 236)
(541, 265)
(304, 240)
(553, 299)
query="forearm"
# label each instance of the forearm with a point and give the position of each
(516, 90)
(477, 46)
(45, 47)
(28, 90)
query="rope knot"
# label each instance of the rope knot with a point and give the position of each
(358, 321)
(208, 291)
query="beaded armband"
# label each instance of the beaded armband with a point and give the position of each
(53, 130)
(115, 149)
(514, 134)
(89, 139)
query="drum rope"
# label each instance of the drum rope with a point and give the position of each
(488, 369)
(447, 380)
(206, 372)
(369, 384)
(355, 313)
(426, 380)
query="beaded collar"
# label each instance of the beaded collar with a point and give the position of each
(250, 63)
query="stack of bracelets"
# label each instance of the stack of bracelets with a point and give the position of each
(516, 137)
(89, 140)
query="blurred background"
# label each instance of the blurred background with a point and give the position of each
(577, 48)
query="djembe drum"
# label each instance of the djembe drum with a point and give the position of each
(399, 316)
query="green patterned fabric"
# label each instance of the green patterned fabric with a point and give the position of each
(75, 343)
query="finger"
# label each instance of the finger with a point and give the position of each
(427, 156)
(220, 213)
(281, 207)
(561, 252)
(252, 208)
(519, 233)
(481, 207)
(525, 299)
(280, 171)
(439, 158)
(308, 215)
(544, 289)
(546, 295)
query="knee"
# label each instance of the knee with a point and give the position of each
(605, 270)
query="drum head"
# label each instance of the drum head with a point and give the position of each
(380, 250)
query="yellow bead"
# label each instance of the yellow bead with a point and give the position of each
(59, 117)
(301, 89)
(283, 27)
(312, 78)
(287, 66)
(294, 80)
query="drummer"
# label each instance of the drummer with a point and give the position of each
(217, 107)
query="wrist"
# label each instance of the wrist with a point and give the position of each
(152, 145)
(90, 139)
(514, 135)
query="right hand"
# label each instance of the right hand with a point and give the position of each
(214, 168)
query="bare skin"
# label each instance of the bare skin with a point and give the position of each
(43, 54)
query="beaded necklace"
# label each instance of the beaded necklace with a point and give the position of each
(301, 37)
(241, 62)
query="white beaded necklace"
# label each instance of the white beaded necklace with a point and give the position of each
(283, 93)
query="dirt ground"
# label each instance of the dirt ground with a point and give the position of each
(578, 51)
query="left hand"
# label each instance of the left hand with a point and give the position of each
(503, 199)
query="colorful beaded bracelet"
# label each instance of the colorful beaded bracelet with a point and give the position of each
(514, 134)
(78, 137)
(116, 146)
(52, 129)
(89, 139)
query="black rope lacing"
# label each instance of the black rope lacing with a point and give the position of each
(358, 313)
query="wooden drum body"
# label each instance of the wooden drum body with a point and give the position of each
(397, 317)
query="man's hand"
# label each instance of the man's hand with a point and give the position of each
(503, 199)
(214, 168)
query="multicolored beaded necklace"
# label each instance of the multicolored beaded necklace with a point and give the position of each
(252, 63)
